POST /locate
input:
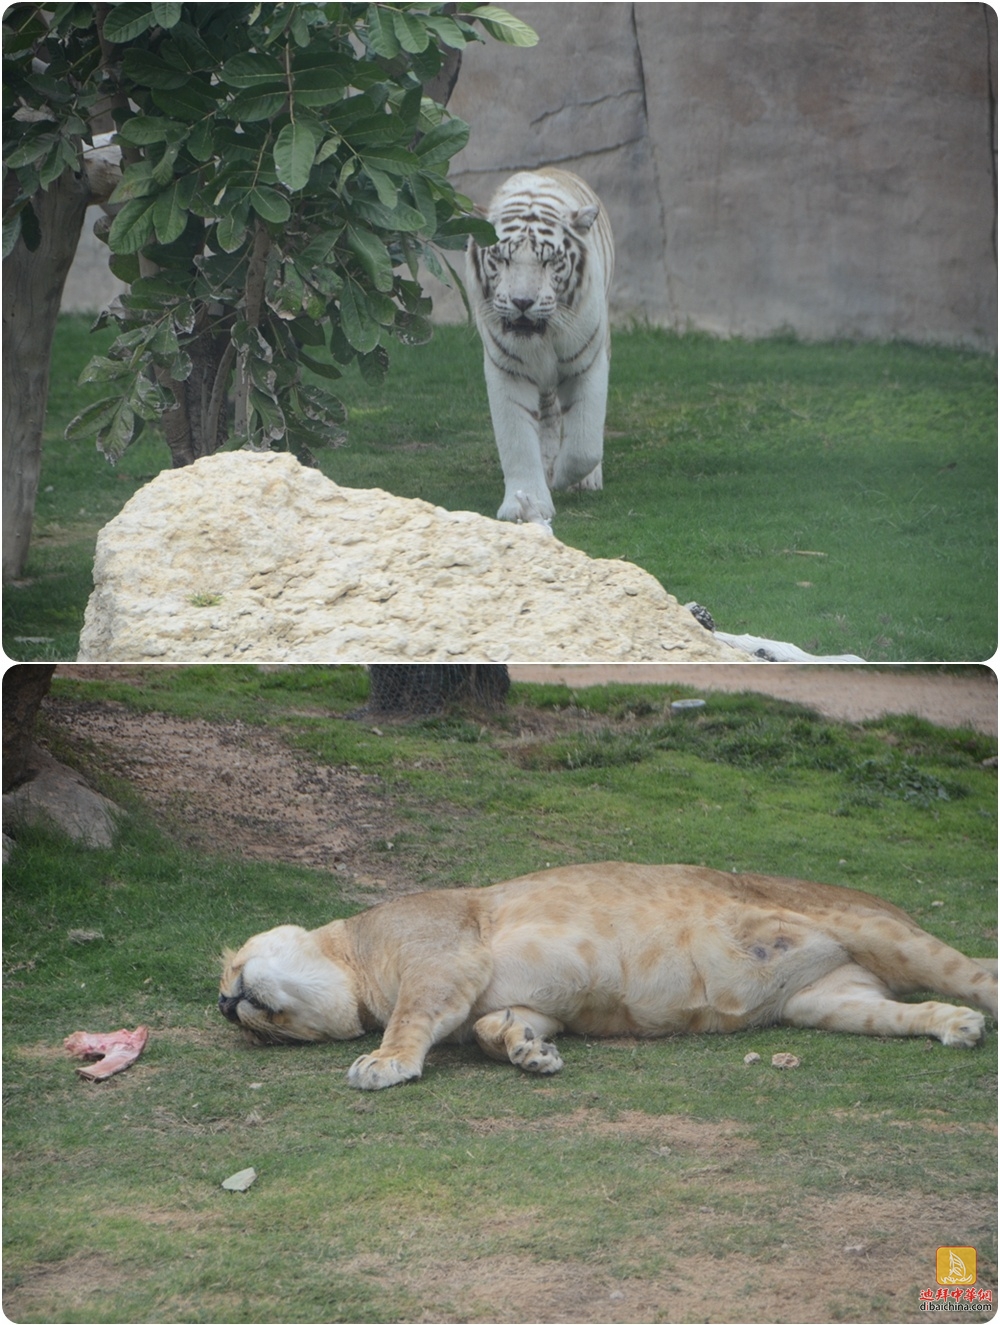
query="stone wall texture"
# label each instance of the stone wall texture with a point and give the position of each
(825, 169)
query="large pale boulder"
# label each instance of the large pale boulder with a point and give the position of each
(249, 557)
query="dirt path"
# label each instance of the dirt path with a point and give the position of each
(846, 693)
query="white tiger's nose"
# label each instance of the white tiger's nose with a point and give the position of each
(522, 305)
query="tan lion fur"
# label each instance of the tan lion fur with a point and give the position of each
(605, 949)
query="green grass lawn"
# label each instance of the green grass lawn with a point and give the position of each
(660, 1180)
(726, 461)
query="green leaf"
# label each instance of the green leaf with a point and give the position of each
(424, 199)
(320, 406)
(92, 419)
(412, 329)
(192, 101)
(393, 161)
(11, 232)
(232, 228)
(319, 87)
(294, 152)
(170, 215)
(503, 26)
(102, 369)
(186, 50)
(443, 141)
(132, 227)
(253, 69)
(270, 205)
(32, 149)
(360, 327)
(388, 194)
(267, 410)
(382, 308)
(320, 366)
(166, 15)
(201, 141)
(116, 440)
(125, 266)
(143, 129)
(163, 170)
(427, 63)
(252, 105)
(328, 149)
(381, 36)
(482, 231)
(285, 298)
(52, 167)
(299, 26)
(373, 256)
(136, 182)
(165, 344)
(410, 32)
(374, 366)
(149, 70)
(400, 217)
(306, 332)
(124, 21)
(447, 30)
(149, 399)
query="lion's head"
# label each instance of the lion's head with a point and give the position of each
(282, 986)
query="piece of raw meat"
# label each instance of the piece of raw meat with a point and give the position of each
(116, 1051)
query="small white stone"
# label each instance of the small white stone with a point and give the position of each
(239, 1182)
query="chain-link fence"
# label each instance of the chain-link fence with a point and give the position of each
(433, 687)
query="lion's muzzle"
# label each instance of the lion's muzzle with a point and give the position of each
(228, 1006)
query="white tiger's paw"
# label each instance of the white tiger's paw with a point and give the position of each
(523, 508)
(594, 481)
(538, 1056)
(963, 1028)
(531, 512)
(370, 1072)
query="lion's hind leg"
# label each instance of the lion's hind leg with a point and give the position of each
(854, 1001)
(516, 1035)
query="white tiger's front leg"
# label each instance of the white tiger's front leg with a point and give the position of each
(514, 408)
(584, 401)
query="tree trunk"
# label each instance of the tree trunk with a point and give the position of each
(32, 291)
(412, 688)
(24, 687)
(199, 424)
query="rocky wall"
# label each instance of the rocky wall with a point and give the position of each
(826, 169)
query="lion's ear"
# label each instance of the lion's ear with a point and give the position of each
(226, 957)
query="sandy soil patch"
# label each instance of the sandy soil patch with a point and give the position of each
(846, 693)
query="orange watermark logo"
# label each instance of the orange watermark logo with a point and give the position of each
(956, 1274)
(956, 1265)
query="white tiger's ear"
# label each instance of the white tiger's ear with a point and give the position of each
(584, 218)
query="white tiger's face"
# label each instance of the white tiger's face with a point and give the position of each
(536, 268)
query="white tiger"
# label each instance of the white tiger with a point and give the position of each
(540, 298)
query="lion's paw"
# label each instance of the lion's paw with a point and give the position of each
(538, 1056)
(963, 1029)
(370, 1072)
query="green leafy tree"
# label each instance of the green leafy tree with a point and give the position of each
(284, 176)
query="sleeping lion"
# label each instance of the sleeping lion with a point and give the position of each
(609, 949)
